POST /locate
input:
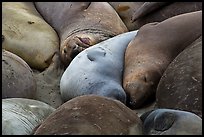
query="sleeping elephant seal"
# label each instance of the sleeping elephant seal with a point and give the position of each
(182, 81)
(142, 15)
(17, 77)
(91, 115)
(20, 116)
(81, 24)
(26, 34)
(171, 122)
(150, 52)
(97, 70)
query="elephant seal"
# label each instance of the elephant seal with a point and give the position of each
(26, 34)
(81, 24)
(140, 16)
(171, 122)
(182, 81)
(91, 115)
(97, 70)
(149, 53)
(20, 116)
(17, 77)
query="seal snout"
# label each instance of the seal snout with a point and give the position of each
(75, 51)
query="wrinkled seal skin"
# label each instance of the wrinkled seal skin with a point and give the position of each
(20, 116)
(97, 70)
(81, 24)
(182, 81)
(125, 10)
(17, 77)
(26, 34)
(162, 13)
(171, 122)
(91, 115)
(149, 53)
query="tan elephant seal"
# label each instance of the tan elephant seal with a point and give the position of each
(26, 34)
(81, 24)
(17, 77)
(91, 115)
(182, 81)
(150, 52)
(20, 116)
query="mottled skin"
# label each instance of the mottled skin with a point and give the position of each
(168, 10)
(156, 45)
(91, 115)
(80, 24)
(182, 81)
(171, 122)
(17, 77)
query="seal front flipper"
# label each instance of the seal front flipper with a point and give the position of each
(164, 121)
(147, 8)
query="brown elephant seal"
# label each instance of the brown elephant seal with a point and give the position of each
(91, 115)
(171, 122)
(97, 70)
(20, 116)
(26, 34)
(163, 12)
(149, 53)
(17, 77)
(81, 24)
(48, 83)
(182, 81)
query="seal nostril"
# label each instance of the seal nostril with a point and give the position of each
(74, 53)
(73, 47)
(65, 51)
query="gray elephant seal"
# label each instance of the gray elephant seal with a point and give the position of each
(81, 24)
(171, 122)
(17, 77)
(182, 81)
(20, 116)
(97, 70)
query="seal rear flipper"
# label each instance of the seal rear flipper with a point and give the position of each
(147, 8)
